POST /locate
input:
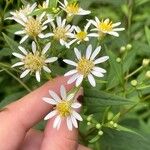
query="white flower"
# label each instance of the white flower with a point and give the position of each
(73, 9)
(106, 27)
(65, 108)
(82, 35)
(61, 31)
(86, 66)
(34, 62)
(32, 27)
(25, 10)
(45, 4)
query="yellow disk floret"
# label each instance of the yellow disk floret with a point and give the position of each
(85, 66)
(72, 8)
(34, 62)
(105, 26)
(81, 35)
(60, 33)
(64, 108)
(33, 27)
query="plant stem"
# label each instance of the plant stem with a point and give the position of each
(134, 72)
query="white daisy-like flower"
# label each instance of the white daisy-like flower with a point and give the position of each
(82, 35)
(65, 108)
(86, 66)
(45, 4)
(25, 10)
(32, 27)
(106, 27)
(61, 31)
(73, 8)
(33, 62)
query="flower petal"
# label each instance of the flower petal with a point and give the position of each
(54, 96)
(76, 105)
(37, 75)
(78, 54)
(63, 92)
(74, 122)
(71, 72)
(69, 123)
(46, 48)
(17, 64)
(88, 51)
(79, 80)
(24, 73)
(56, 121)
(70, 62)
(50, 60)
(101, 59)
(91, 80)
(22, 49)
(73, 78)
(23, 39)
(77, 116)
(33, 47)
(18, 55)
(50, 115)
(46, 69)
(49, 101)
(95, 53)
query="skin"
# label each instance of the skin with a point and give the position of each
(18, 118)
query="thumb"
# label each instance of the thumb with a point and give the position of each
(62, 139)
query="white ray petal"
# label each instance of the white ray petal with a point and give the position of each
(46, 48)
(50, 60)
(46, 69)
(118, 29)
(49, 100)
(71, 72)
(76, 105)
(18, 64)
(97, 74)
(70, 62)
(50, 115)
(88, 51)
(91, 80)
(79, 80)
(56, 121)
(24, 73)
(116, 24)
(114, 33)
(93, 35)
(101, 59)
(54, 96)
(69, 123)
(23, 39)
(20, 32)
(77, 53)
(58, 21)
(95, 53)
(74, 122)
(77, 116)
(98, 69)
(18, 55)
(33, 47)
(63, 92)
(19, 21)
(73, 78)
(37, 75)
(23, 50)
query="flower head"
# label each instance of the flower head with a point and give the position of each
(73, 8)
(86, 66)
(106, 27)
(61, 31)
(82, 35)
(25, 10)
(32, 27)
(65, 108)
(34, 62)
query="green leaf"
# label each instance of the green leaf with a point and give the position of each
(11, 43)
(53, 3)
(147, 32)
(95, 98)
(95, 139)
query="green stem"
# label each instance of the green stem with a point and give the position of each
(134, 72)
(24, 85)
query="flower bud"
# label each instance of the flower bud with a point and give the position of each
(98, 126)
(115, 125)
(118, 60)
(147, 74)
(100, 132)
(89, 118)
(134, 82)
(111, 122)
(145, 62)
(122, 49)
(88, 123)
(129, 46)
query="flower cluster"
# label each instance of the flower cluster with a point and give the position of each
(49, 26)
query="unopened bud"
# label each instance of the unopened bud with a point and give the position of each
(100, 132)
(134, 82)
(147, 74)
(129, 46)
(89, 118)
(118, 60)
(122, 48)
(115, 125)
(88, 123)
(98, 126)
(146, 62)
(111, 122)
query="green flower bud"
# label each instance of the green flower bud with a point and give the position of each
(122, 49)
(147, 74)
(111, 122)
(118, 60)
(129, 47)
(89, 118)
(134, 82)
(115, 125)
(88, 123)
(100, 132)
(145, 62)
(98, 126)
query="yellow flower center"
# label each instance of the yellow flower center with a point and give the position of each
(105, 26)
(85, 66)
(60, 33)
(81, 35)
(33, 27)
(72, 8)
(33, 62)
(64, 108)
